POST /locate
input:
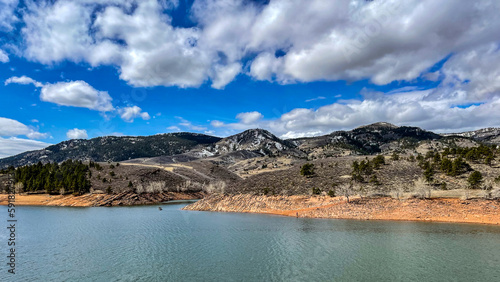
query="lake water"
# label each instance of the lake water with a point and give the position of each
(146, 244)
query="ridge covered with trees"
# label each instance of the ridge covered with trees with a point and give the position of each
(69, 177)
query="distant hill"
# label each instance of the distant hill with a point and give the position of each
(256, 140)
(112, 148)
(485, 135)
(367, 139)
(252, 143)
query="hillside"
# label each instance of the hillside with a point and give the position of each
(254, 140)
(369, 139)
(485, 135)
(112, 148)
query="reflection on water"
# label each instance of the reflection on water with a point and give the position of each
(146, 244)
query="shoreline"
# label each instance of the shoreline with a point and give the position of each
(445, 210)
(98, 200)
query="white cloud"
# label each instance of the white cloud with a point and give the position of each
(189, 125)
(76, 133)
(7, 16)
(12, 128)
(173, 128)
(315, 99)
(249, 118)
(76, 94)
(13, 146)
(424, 108)
(382, 41)
(223, 75)
(287, 42)
(4, 58)
(128, 114)
(23, 80)
(216, 123)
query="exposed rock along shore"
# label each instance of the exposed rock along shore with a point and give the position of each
(439, 210)
(97, 200)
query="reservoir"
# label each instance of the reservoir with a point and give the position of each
(145, 243)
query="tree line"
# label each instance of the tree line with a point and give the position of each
(67, 177)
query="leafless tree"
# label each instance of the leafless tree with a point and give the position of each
(216, 187)
(346, 190)
(19, 187)
(421, 189)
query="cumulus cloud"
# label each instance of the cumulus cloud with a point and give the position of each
(249, 118)
(376, 40)
(23, 80)
(12, 128)
(13, 146)
(4, 58)
(128, 114)
(76, 133)
(424, 108)
(73, 93)
(76, 94)
(383, 41)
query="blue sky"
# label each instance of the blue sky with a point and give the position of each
(82, 69)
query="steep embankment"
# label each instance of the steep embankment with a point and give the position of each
(439, 210)
(96, 200)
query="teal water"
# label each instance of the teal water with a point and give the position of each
(146, 244)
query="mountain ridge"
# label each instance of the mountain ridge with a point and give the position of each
(367, 139)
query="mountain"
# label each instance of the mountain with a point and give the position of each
(254, 140)
(367, 139)
(252, 143)
(113, 148)
(485, 135)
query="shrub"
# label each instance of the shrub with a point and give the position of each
(316, 191)
(475, 178)
(444, 186)
(395, 156)
(331, 193)
(307, 170)
(378, 161)
(374, 180)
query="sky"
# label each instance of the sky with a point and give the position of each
(88, 68)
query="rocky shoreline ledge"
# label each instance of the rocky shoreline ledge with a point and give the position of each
(385, 208)
(99, 200)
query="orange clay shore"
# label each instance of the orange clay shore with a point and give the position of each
(92, 200)
(431, 210)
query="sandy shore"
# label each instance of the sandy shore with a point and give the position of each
(432, 210)
(92, 200)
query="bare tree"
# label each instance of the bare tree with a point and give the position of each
(19, 187)
(216, 187)
(398, 192)
(346, 190)
(151, 187)
(421, 189)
